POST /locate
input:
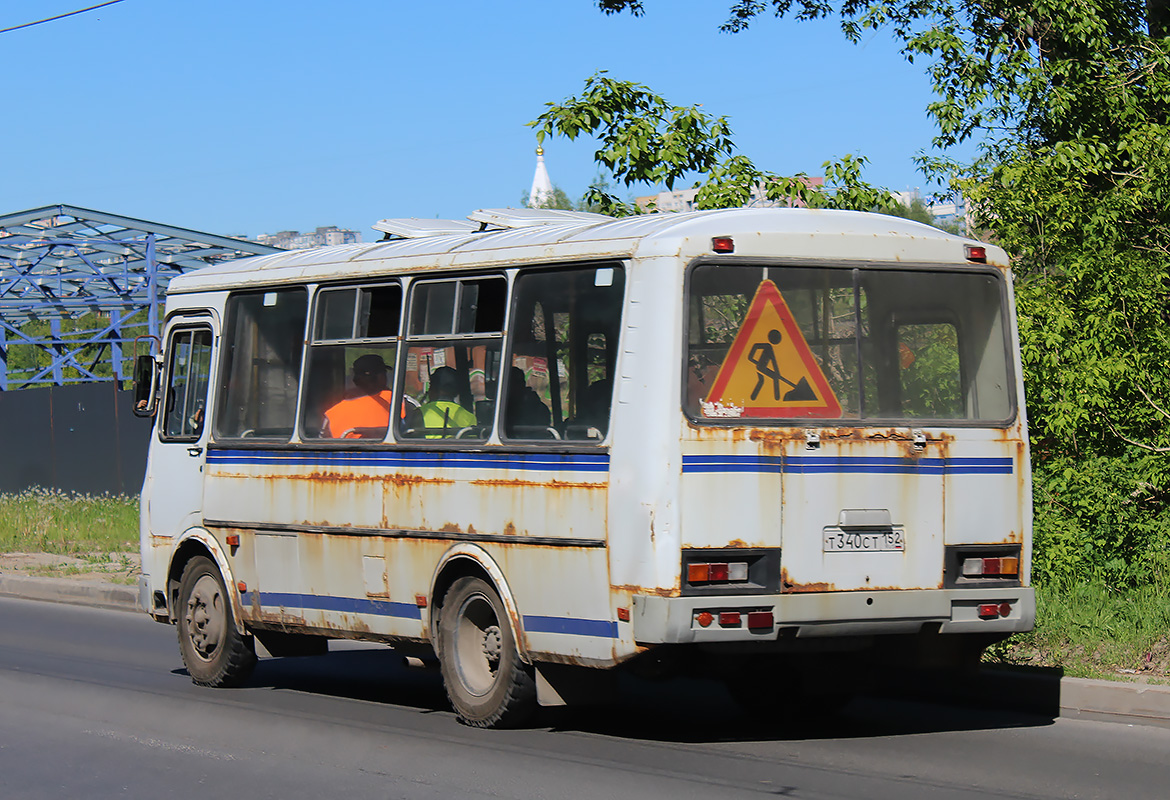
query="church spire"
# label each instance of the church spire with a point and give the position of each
(542, 188)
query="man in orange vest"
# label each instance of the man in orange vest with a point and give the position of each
(368, 414)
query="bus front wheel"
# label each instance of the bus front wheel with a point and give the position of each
(487, 683)
(214, 652)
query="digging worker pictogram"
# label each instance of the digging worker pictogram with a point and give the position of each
(764, 357)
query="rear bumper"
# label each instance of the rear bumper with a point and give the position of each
(677, 620)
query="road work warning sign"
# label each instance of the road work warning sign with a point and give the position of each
(769, 370)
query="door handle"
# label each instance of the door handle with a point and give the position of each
(194, 451)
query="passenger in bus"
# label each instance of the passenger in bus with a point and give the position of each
(526, 414)
(592, 419)
(366, 415)
(443, 417)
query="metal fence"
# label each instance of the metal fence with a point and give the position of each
(81, 438)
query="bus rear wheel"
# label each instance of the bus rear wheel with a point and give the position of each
(488, 684)
(214, 652)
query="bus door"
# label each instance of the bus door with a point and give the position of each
(179, 449)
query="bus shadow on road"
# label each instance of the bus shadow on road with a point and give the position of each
(689, 710)
(698, 711)
(374, 674)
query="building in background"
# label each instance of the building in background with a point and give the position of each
(542, 188)
(322, 237)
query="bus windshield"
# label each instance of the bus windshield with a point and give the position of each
(845, 344)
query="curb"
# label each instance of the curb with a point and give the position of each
(1133, 703)
(97, 594)
(1043, 691)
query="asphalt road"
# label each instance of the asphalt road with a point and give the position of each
(95, 704)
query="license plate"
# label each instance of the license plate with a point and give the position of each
(887, 541)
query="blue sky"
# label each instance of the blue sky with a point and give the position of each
(252, 117)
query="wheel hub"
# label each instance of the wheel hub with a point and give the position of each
(205, 617)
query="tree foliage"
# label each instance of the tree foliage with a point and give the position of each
(1068, 103)
(644, 139)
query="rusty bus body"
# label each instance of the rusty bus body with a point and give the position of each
(893, 507)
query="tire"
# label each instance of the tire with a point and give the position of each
(214, 652)
(487, 683)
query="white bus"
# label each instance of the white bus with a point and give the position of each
(759, 444)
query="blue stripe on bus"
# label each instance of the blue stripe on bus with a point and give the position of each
(605, 629)
(384, 608)
(357, 605)
(892, 465)
(562, 462)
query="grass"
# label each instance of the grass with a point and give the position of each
(63, 523)
(1093, 630)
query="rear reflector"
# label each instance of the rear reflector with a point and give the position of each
(760, 619)
(730, 619)
(704, 618)
(988, 610)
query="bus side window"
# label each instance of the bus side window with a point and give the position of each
(452, 365)
(563, 354)
(352, 349)
(264, 336)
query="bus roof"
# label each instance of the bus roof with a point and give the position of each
(514, 237)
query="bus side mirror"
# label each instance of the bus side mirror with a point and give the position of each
(146, 374)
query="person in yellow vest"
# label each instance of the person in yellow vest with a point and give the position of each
(443, 417)
(366, 415)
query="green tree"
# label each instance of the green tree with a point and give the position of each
(1068, 104)
(644, 139)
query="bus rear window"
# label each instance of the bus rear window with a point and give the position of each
(785, 343)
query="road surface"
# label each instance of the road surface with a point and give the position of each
(95, 704)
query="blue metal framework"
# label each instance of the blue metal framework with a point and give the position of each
(62, 262)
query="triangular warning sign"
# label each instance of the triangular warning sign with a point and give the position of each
(769, 370)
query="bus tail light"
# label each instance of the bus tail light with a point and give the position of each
(1000, 567)
(977, 254)
(993, 610)
(717, 572)
(986, 565)
(723, 244)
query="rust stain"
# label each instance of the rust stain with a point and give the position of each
(519, 484)
(564, 658)
(395, 478)
(656, 591)
(787, 585)
(401, 479)
(509, 529)
(450, 527)
(716, 434)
